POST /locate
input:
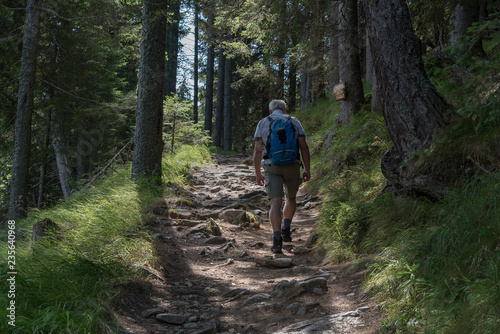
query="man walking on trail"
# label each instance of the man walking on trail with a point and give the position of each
(275, 143)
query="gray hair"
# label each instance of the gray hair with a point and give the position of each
(277, 104)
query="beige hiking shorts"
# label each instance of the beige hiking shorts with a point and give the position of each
(282, 180)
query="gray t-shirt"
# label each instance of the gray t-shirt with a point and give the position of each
(262, 131)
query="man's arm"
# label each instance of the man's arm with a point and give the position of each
(306, 159)
(257, 161)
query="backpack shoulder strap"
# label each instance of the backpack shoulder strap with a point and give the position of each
(268, 141)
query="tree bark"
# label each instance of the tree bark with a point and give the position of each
(149, 119)
(63, 170)
(22, 137)
(350, 69)
(371, 78)
(43, 167)
(209, 94)
(415, 113)
(462, 18)
(305, 88)
(172, 46)
(195, 90)
(333, 52)
(464, 15)
(219, 110)
(292, 74)
(228, 141)
(292, 91)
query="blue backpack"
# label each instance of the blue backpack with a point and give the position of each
(282, 145)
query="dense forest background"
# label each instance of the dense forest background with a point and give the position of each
(410, 153)
(80, 110)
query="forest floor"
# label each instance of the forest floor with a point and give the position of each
(230, 282)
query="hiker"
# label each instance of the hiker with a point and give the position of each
(284, 172)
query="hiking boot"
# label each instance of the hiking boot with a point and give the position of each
(277, 244)
(286, 235)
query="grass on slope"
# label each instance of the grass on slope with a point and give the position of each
(65, 283)
(434, 266)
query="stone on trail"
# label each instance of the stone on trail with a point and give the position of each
(363, 309)
(286, 287)
(331, 324)
(187, 222)
(293, 307)
(217, 240)
(213, 228)
(181, 214)
(209, 329)
(311, 241)
(234, 216)
(258, 298)
(173, 319)
(234, 292)
(307, 307)
(293, 288)
(216, 189)
(313, 283)
(151, 312)
(300, 250)
(281, 262)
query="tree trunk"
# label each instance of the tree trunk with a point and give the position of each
(350, 69)
(83, 152)
(305, 88)
(292, 91)
(209, 94)
(333, 52)
(415, 113)
(228, 141)
(371, 78)
(462, 18)
(368, 59)
(63, 170)
(317, 68)
(22, 137)
(292, 74)
(149, 119)
(195, 90)
(172, 46)
(219, 110)
(43, 167)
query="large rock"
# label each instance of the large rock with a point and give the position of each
(313, 283)
(234, 216)
(293, 288)
(286, 288)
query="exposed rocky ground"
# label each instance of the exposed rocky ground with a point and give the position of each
(216, 272)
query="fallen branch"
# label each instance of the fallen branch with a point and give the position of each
(102, 171)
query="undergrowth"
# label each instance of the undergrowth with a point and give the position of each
(66, 282)
(433, 266)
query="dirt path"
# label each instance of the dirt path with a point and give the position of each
(230, 282)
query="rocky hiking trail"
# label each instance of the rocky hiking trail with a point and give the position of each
(217, 273)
